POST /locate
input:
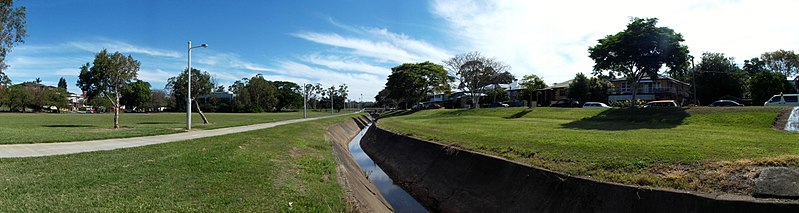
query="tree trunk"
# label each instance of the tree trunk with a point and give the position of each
(202, 115)
(475, 101)
(116, 111)
(634, 88)
(531, 99)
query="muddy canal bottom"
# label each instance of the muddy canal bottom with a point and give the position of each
(396, 196)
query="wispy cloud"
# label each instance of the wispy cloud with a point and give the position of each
(122, 47)
(346, 64)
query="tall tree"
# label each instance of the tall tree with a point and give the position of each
(158, 98)
(288, 94)
(782, 61)
(263, 95)
(413, 82)
(532, 83)
(136, 94)
(579, 88)
(754, 66)
(640, 50)
(62, 83)
(766, 84)
(201, 85)
(474, 72)
(107, 76)
(718, 76)
(12, 32)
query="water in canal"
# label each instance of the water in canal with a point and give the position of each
(396, 196)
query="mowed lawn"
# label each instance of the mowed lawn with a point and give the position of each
(694, 149)
(280, 169)
(17, 128)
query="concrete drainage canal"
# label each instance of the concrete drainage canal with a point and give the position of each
(411, 175)
(394, 194)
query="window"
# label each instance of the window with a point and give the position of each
(625, 88)
(775, 99)
(563, 92)
(790, 98)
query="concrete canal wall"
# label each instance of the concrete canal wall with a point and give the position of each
(359, 192)
(448, 179)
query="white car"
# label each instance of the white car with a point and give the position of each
(595, 105)
(783, 100)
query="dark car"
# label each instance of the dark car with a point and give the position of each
(725, 103)
(566, 103)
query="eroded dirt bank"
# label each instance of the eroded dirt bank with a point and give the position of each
(449, 179)
(359, 192)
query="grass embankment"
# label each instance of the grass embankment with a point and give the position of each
(703, 149)
(18, 128)
(284, 168)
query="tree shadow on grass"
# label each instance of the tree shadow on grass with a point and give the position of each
(69, 125)
(397, 113)
(631, 119)
(520, 114)
(159, 122)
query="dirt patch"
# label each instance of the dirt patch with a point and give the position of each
(782, 119)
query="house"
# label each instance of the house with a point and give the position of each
(661, 88)
(552, 94)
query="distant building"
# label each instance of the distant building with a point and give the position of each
(552, 94)
(662, 88)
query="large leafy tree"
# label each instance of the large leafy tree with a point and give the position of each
(107, 76)
(640, 50)
(782, 61)
(766, 84)
(718, 76)
(262, 94)
(12, 32)
(288, 94)
(136, 94)
(201, 85)
(579, 88)
(158, 98)
(475, 71)
(413, 82)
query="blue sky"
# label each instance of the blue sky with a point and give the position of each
(357, 42)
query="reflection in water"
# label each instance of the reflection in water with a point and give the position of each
(396, 196)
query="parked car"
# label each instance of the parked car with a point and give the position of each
(662, 103)
(783, 100)
(434, 106)
(566, 103)
(725, 103)
(595, 105)
(495, 105)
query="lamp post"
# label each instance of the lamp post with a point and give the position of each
(305, 101)
(188, 87)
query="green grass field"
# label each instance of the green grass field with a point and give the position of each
(695, 149)
(280, 169)
(18, 128)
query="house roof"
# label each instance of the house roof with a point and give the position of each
(564, 84)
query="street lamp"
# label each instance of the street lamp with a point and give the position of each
(188, 87)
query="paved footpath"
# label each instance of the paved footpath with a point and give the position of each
(46, 149)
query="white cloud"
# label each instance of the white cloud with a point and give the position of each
(346, 64)
(122, 47)
(551, 38)
(155, 76)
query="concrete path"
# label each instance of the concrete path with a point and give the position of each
(46, 149)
